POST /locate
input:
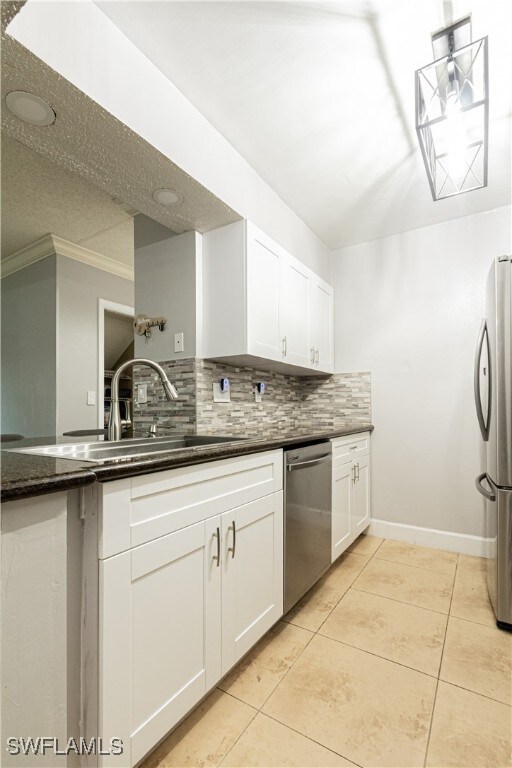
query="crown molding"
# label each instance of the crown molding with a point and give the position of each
(48, 245)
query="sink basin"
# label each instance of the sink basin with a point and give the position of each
(122, 450)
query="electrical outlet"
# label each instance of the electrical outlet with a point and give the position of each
(91, 397)
(257, 396)
(142, 393)
(179, 342)
(219, 396)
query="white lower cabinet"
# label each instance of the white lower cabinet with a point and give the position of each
(252, 575)
(360, 513)
(178, 612)
(350, 490)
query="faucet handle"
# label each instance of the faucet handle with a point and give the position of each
(152, 431)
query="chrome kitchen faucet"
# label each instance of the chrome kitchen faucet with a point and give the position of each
(114, 421)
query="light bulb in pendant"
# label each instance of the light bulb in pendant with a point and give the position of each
(455, 133)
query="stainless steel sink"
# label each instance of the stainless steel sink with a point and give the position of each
(123, 450)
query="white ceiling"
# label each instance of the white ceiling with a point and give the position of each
(319, 98)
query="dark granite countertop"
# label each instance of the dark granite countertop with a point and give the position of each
(25, 475)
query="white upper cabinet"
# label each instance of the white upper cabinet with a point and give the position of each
(322, 324)
(295, 311)
(263, 306)
(263, 264)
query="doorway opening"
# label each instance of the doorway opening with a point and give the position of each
(116, 345)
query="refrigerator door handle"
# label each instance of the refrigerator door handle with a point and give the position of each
(480, 488)
(484, 427)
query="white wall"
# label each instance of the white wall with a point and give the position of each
(80, 287)
(408, 308)
(84, 46)
(50, 344)
(167, 275)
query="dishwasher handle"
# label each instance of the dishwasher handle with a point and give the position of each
(310, 463)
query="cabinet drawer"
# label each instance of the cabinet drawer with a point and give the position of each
(347, 448)
(139, 509)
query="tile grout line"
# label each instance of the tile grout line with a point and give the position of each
(291, 665)
(256, 712)
(413, 565)
(420, 567)
(319, 743)
(259, 709)
(314, 634)
(402, 602)
(439, 669)
(395, 600)
(463, 687)
(476, 693)
(345, 591)
(288, 621)
(378, 656)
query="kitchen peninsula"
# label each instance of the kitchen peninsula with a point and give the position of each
(109, 542)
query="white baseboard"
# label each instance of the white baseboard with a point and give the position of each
(430, 537)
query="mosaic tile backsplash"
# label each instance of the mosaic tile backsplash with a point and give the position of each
(289, 402)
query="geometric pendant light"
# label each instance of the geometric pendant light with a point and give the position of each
(452, 111)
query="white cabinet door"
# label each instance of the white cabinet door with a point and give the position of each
(295, 312)
(261, 303)
(252, 574)
(322, 342)
(263, 299)
(159, 634)
(361, 495)
(350, 490)
(342, 481)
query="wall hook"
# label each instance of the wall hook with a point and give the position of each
(142, 324)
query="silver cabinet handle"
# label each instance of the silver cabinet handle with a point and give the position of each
(357, 470)
(310, 463)
(353, 473)
(217, 557)
(484, 427)
(353, 447)
(233, 548)
(317, 356)
(312, 355)
(488, 494)
(284, 346)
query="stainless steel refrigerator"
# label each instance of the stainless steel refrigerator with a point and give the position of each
(493, 396)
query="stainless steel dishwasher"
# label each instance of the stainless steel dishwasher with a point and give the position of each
(307, 518)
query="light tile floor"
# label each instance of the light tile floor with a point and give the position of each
(393, 659)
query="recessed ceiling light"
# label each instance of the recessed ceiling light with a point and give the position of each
(30, 108)
(167, 197)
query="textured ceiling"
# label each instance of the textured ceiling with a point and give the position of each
(319, 98)
(87, 141)
(39, 198)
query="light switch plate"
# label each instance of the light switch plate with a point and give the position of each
(142, 393)
(91, 397)
(219, 396)
(179, 342)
